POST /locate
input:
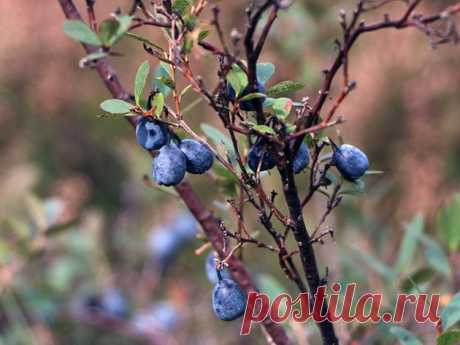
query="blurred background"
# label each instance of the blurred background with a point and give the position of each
(80, 261)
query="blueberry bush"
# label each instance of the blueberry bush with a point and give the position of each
(269, 149)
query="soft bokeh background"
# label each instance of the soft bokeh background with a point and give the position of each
(62, 164)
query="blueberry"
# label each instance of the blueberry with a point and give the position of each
(161, 315)
(351, 162)
(163, 246)
(249, 105)
(228, 300)
(256, 153)
(114, 303)
(185, 227)
(301, 159)
(169, 166)
(199, 157)
(151, 135)
(211, 270)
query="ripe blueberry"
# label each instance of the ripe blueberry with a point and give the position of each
(301, 159)
(351, 162)
(199, 157)
(256, 153)
(211, 270)
(228, 301)
(184, 227)
(151, 135)
(169, 166)
(249, 105)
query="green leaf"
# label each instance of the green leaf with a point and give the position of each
(163, 81)
(451, 313)
(226, 180)
(202, 35)
(237, 79)
(404, 336)
(219, 139)
(420, 277)
(124, 24)
(285, 87)
(116, 106)
(409, 243)
(263, 129)
(448, 222)
(107, 29)
(158, 103)
(141, 79)
(181, 6)
(143, 40)
(356, 188)
(79, 31)
(264, 71)
(435, 255)
(187, 45)
(449, 338)
(374, 263)
(282, 107)
(251, 96)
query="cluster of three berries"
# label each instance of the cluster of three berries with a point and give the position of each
(174, 158)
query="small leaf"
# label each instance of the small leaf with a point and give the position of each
(143, 40)
(79, 31)
(226, 180)
(237, 79)
(264, 129)
(116, 106)
(141, 79)
(448, 222)
(107, 29)
(449, 338)
(420, 277)
(404, 336)
(374, 172)
(282, 107)
(408, 246)
(264, 71)
(202, 35)
(435, 255)
(375, 263)
(158, 103)
(451, 313)
(219, 139)
(285, 87)
(181, 6)
(187, 45)
(124, 24)
(163, 81)
(251, 96)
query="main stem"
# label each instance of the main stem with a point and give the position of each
(307, 253)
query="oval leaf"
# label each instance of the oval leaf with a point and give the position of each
(141, 79)
(404, 336)
(449, 338)
(264, 71)
(158, 103)
(284, 87)
(81, 32)
(116, 106)
(237, 79)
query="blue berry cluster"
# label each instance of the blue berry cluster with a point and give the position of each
(260, 154)
(175, 157)
(351, 162)
(228, 300)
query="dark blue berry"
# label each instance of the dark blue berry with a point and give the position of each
(301, 159)
(199, 157)
(228, 300)
(169, 166)
(151, 135)
(259, 152)
(249, 105)
(351, 162)
(211, 270)
(185, 227)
